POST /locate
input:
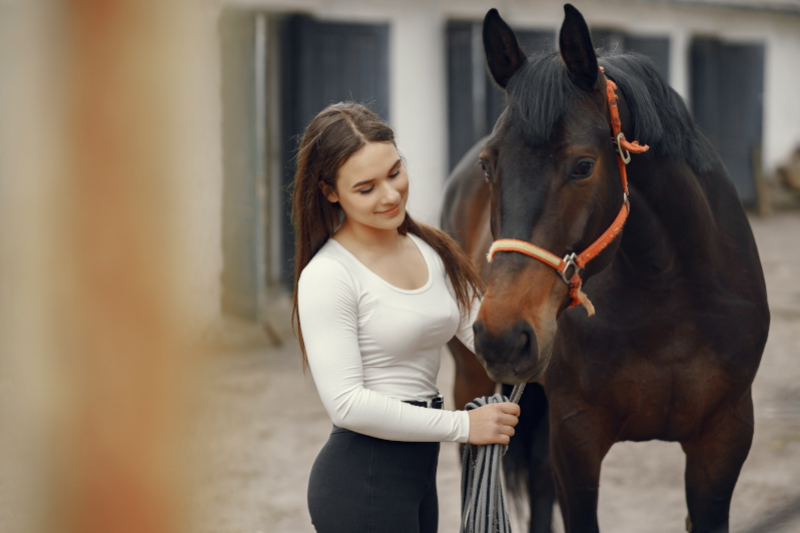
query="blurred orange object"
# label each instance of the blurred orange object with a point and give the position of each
(119, 300)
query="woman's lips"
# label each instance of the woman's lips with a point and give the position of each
(391, 212)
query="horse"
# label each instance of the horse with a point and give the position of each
(681, 307)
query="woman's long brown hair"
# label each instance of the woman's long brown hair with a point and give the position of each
(333, 136)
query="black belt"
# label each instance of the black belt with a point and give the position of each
(435, 403)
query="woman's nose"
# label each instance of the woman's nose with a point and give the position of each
(391, 195)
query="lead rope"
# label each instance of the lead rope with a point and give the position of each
(483, 509)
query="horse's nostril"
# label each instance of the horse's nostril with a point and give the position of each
(523, 344)
(527, 348)
(477, 333)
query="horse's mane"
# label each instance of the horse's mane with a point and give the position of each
(541, 93)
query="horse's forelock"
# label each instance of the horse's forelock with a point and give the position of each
(539, 95)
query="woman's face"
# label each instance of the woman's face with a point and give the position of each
(372, 187)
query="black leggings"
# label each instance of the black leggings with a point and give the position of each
(361, 484)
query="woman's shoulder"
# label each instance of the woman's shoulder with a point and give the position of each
(329, 265)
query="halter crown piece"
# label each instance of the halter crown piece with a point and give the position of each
(577, 262)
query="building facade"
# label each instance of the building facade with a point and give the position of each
(265, 67)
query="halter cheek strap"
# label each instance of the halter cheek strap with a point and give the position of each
(570, 266)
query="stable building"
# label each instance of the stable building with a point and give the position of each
(268, 66)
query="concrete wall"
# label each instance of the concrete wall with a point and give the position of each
(198, 162)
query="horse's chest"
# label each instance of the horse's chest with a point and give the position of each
(664, 392)
(656, 398)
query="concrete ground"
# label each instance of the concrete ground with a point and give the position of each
(260, 425)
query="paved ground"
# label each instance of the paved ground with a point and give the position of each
(262, 425)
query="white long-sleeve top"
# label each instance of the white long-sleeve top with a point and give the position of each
(371, 345)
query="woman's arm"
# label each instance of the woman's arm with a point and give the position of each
(465, 333)
(328, 307)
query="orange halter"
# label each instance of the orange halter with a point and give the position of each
(574, 261)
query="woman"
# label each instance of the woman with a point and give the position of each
(376, 297)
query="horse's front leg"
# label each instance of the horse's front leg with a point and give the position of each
(578, 444)
(713, 462)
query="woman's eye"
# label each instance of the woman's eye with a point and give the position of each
(583, 169)
(365, 191)
(395, 173)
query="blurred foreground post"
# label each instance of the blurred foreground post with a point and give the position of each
(96, 312)
(121, 338)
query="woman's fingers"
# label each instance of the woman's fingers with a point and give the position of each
(506, 430)
(493, 423)
(509, 408)
(504, 419)
(509, 420)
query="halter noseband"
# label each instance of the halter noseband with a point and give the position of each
(571, 264)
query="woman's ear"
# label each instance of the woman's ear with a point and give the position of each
(328, 193)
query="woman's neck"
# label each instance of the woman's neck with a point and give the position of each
(354, 236)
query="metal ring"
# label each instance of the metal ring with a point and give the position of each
(569, 260)
(618, 142)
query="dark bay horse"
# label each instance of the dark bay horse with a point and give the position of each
(682, 315)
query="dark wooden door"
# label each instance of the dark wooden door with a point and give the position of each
(727, 85)
(324, 63)
(474, 102)
(655, 48)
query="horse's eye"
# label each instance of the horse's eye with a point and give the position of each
(483, 167)
(583, 169)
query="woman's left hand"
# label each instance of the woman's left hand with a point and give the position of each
(493, 423)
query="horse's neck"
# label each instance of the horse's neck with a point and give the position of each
(670, 220)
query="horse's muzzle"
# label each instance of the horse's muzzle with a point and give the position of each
(512, 356)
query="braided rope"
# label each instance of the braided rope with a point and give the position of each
(483, 509)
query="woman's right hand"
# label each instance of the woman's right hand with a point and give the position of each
(493, 423)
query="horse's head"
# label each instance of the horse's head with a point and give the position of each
(555, 183)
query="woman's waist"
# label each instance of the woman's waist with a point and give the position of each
(406, 389)
(434, 402)
(403, 379)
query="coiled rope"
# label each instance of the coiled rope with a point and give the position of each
(483, 509)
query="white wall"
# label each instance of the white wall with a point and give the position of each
(198, 168)
(419, 106)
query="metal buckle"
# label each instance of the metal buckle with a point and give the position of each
(436, 399)
(569, 260)
(620, 149)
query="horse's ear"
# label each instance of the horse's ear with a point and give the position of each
(503, 54)
(577, 50)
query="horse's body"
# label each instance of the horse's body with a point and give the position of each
(682, 316)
